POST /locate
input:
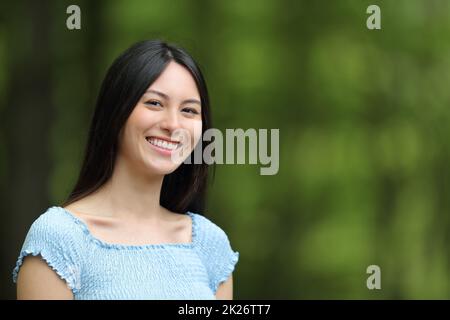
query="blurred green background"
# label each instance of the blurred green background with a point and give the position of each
(363, 118)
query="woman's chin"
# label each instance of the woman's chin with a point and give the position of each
(162, 167)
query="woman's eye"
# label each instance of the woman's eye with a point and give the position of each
(190, 110)
(153, 103)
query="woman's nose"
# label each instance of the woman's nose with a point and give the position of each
(170, 120)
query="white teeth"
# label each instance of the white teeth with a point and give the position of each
(163, 144)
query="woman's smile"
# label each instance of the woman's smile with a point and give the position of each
(165, 147)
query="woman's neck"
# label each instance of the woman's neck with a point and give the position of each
(128, 195)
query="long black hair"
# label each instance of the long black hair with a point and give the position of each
(125, 82)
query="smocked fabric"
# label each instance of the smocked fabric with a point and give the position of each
(94, 269)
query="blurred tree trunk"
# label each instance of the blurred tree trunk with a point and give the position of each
(27, 118)
(35, 34)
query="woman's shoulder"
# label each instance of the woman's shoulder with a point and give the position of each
(54, 224)
(56, 239)
(215, 250)
(208, 233)
(206, 226)
(54, 216)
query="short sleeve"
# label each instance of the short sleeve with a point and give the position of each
(219, 257)
(50, 237)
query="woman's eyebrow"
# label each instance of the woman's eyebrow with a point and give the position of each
(192, 101)
(165, 96)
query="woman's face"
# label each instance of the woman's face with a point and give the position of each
(170, 105)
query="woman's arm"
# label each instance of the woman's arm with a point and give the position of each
(36, 280)
(225, 290)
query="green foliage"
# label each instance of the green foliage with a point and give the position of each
(364, 126)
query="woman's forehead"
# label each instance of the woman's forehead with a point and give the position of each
(175, 81)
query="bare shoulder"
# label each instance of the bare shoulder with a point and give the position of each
(36, 280)
(80, 207)
(181, 225)
(89, 215)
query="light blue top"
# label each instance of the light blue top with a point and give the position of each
(94, 269)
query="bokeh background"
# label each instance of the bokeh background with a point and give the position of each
(364, 131)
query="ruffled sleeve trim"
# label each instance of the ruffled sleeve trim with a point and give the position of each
(226, 271)
(67, 273)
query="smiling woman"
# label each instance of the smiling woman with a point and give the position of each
(131, 228)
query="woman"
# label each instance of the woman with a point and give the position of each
(129, 229)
